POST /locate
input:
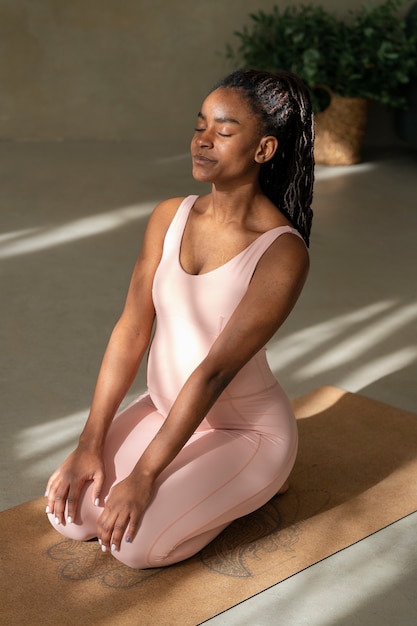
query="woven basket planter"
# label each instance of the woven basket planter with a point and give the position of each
(340, 130)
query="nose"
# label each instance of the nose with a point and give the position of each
(204, 138)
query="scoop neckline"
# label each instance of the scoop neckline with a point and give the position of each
(234, 258)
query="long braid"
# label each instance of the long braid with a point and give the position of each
(282, 103)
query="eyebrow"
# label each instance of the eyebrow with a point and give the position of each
(220, 120)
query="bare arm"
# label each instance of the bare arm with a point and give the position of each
(125, 350)
(273, 291)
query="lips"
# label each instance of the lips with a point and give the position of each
(200, 159)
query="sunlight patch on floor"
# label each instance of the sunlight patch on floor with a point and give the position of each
(358, 343)
(326, 172)
(377, 369)
(52, 440)
(32, 240)
(43, 438)
(342, 350)
(295, 346)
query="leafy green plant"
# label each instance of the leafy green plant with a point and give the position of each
(370, 53)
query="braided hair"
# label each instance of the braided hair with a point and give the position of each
(282, 105)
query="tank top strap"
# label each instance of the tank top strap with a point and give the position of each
(248, 259)
(175, 230)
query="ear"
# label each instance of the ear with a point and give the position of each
(266, 149)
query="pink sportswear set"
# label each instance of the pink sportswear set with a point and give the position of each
(245, 447)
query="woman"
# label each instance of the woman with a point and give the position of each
(214, 438)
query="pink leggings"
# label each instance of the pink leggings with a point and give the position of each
(218, 476)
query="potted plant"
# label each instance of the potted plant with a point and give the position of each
(367, 55)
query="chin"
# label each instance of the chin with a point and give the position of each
(201, 176)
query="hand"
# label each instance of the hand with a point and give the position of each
(123, 510)
(65, 484)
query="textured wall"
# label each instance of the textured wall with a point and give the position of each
(113, 69)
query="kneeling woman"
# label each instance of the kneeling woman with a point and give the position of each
(214, 437)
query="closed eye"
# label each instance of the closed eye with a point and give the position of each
(201, 130)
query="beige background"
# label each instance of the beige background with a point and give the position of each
(132, 70)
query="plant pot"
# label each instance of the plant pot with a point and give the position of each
(340, 130)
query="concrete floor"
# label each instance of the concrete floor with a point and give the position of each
(72, 217)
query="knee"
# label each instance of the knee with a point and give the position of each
(137, 558)
(79, 532)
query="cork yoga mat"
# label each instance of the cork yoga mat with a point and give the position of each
(355, 474)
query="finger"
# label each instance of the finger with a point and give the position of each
(132, 530)
(49, 490)
(120, 526)
(59, 505)
(72, 501)
(48, 486)
(50, 493)
(105, 526)
(57, 500)
(98, 481)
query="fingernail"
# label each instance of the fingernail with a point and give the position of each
(128, 540)
(96, 502)
(46, 493)
(57, 521)
(69, 519)
(100, 542)
(103, 548)
(47, 509)
(113, 547)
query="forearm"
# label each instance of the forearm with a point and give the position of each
(191, 406)
(119, 367)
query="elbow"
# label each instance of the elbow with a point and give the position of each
(216, 378)
(132, 338)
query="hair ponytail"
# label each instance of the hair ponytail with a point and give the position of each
(283, 105)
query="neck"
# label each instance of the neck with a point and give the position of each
(234, 204)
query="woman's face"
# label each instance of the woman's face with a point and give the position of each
(226, 145)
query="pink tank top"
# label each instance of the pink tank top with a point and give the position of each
(192, 310)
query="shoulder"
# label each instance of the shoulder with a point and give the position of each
(162, 216)
(289, 247)
(164, 212)
(153, 241)
(156, 228)
(287, 256)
